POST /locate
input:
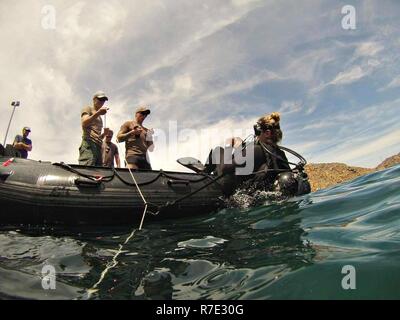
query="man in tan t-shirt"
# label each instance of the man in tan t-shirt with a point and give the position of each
(92, 137)
(138, 140)
(110, 151)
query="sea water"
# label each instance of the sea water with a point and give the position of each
(338, 243)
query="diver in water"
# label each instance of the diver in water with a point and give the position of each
(257, 165)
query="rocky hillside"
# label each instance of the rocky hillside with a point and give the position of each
(389, 162)
(324, 175)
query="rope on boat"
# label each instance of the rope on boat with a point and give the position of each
(116, 174)
(168, 204)
(141, 195)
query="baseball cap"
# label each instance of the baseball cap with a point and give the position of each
(143, 109)
(100, 95)
(27, 129)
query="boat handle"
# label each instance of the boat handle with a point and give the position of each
(84, 182)
(174, 182)
(5, 173)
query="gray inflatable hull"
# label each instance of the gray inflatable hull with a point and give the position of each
(41, 193)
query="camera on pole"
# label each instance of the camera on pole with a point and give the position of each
(14, 104)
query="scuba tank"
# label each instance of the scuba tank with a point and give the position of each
(293, 182)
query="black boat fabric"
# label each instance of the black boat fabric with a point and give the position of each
(43, 193)
(46, 194)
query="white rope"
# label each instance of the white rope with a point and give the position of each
(141, 194)
(110, 265)
(114, 261)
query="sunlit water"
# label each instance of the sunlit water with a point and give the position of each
(291, 249)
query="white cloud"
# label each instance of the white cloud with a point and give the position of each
(354, 74)
(305, 146)
(319, 125)
(288, 107)
(362, 63)
(183, 84)
(45, 68)
(241, 85)
(83, 30)
(303, 66)
(240, 3)
(195, 29)
(395, 83)
(375, 146)
(349, 76)
(369, 49)
(357, 137)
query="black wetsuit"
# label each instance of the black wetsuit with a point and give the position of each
(235, 171)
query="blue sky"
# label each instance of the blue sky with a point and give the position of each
(207, 64)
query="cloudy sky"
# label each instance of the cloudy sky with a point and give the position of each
(208, 69)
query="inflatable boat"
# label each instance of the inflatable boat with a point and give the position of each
(42, 193)
(36, 193)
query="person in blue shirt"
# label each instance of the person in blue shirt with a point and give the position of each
(22, 144)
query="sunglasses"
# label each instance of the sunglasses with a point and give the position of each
(266, 128)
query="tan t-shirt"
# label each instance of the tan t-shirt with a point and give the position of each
(109, 150)
(92, 132)
(135, 145)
